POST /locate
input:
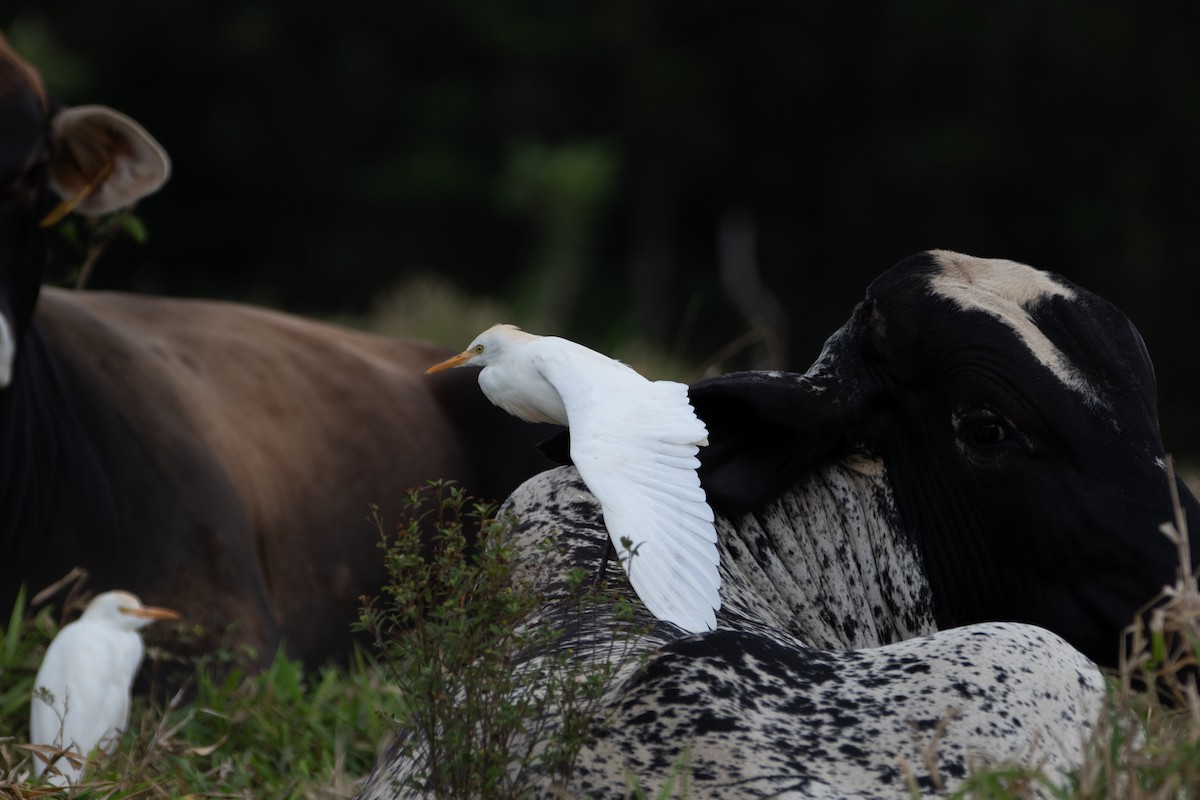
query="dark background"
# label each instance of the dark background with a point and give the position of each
(583, 157)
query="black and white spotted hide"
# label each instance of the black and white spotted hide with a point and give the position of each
(805, 690)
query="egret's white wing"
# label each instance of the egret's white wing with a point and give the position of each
(634, 443)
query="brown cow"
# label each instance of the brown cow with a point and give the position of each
(213, 457)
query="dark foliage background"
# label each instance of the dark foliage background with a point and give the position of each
(584, 156)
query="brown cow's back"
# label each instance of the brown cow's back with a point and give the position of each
(257, 441)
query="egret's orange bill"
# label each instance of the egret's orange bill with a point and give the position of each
(453, 361)
(152, 612)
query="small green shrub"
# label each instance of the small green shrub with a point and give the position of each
(488, 702)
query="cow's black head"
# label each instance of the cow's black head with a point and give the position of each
(96, 159)
(1016, 415)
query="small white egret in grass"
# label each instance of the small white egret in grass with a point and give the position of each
(635, 444)
(81, 693)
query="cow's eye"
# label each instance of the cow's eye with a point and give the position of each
(985, 434)
(981, 429)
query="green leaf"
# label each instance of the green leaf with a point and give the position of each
(134, 226)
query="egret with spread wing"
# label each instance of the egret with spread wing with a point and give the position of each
(86, 675)
(634, 442)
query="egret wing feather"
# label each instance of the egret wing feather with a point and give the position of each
(635, 444)
(684, 560)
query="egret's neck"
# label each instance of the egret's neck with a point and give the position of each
(520, 389)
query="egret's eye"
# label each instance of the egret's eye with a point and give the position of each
(477, 349)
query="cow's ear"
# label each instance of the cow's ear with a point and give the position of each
(765, 431)
(102, 161)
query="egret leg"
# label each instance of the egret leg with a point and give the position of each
(610, 551)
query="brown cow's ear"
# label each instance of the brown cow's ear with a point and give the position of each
(103, 160)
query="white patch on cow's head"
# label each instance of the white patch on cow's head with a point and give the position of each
(8, 352)
(1005, 290)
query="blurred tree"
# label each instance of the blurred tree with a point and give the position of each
(562, 189)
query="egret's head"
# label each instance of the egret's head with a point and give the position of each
(487, 347)
(124, 610)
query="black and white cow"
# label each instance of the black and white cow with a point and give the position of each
(978, 444)
(1015, 413)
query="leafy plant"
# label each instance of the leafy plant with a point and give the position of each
(488, 701)
(91, 236)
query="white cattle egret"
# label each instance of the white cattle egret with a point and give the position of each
(87, 673)
(634, 442)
